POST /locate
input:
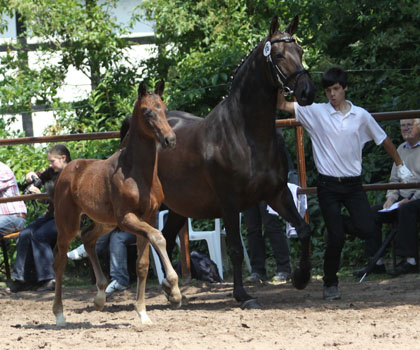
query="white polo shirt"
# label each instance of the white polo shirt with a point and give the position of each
(337, 139)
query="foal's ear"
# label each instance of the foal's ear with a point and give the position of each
(274, 26)
(142, 91)
(159, 88)
(292, 27)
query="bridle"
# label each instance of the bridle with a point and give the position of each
(282, 79)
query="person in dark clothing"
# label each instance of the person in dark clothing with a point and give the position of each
(339, 131)
(33, 267)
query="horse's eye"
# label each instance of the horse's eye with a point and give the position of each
(279, 56)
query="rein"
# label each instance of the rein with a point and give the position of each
(281, 77)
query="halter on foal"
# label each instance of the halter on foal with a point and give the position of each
(122, 190)
(232, 159)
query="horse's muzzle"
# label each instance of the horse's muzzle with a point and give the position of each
(169, 141)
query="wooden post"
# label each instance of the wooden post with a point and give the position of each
(300, 155)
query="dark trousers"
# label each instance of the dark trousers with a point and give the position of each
(254, 218)
(373, 240)
(332, 195)
(34, 257)
(406, 238)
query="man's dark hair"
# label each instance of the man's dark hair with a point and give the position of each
(334, 75)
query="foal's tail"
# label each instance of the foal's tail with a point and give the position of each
(302, 275)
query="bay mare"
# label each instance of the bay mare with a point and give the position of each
(122, 190)
(232, 159)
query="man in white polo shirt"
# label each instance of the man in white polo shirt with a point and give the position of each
(338, 131)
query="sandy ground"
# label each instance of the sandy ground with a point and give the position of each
(377, 314)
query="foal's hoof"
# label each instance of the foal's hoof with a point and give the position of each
(250, 304)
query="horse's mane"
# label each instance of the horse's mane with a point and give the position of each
(239, 66)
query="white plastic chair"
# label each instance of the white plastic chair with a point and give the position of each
(212, 237)
(213, 242)
(158, 266)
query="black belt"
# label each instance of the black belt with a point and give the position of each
(344, 179)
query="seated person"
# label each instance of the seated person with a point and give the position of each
(33, 267)
(12, 214)
(408, 211)
(117, 242)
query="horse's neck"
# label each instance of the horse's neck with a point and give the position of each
(141, 155)
(252, 99)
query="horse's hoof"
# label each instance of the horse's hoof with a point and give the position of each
(144, 318)
(301, 278)
(99, 300)
(250, 304)
(60, 321)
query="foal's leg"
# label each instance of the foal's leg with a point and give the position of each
(89, 238)
(283, 203)
(133, 224)
(142, 271)
(67, 227)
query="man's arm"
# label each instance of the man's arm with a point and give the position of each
(284, 105)
(392, 151)
(404, 174)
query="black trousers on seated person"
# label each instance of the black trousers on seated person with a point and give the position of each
(406, 238)
(332, 195)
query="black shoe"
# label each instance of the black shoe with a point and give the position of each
(20, 286)
(47, 286)
(376, 269)
(404, 267)
(331, 293)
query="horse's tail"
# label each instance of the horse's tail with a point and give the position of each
(302, 275)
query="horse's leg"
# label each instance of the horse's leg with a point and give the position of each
(67, 222)
(89, 238)
(142, 271)
(131, 223)
(236, 254)
(283, 203)
(171, 229)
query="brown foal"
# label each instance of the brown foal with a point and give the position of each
(122, 190)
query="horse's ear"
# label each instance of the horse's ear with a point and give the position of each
(159, 88)
(142, 89)
(274, 26)
(292, 27)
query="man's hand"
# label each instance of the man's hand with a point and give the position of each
(388, 203)
(404, 174)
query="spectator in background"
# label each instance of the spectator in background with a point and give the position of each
(12, 214)
(33, 267)
(254, 218)
(406, 212)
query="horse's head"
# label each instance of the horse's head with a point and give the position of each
(284, 57)
(150, 114)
